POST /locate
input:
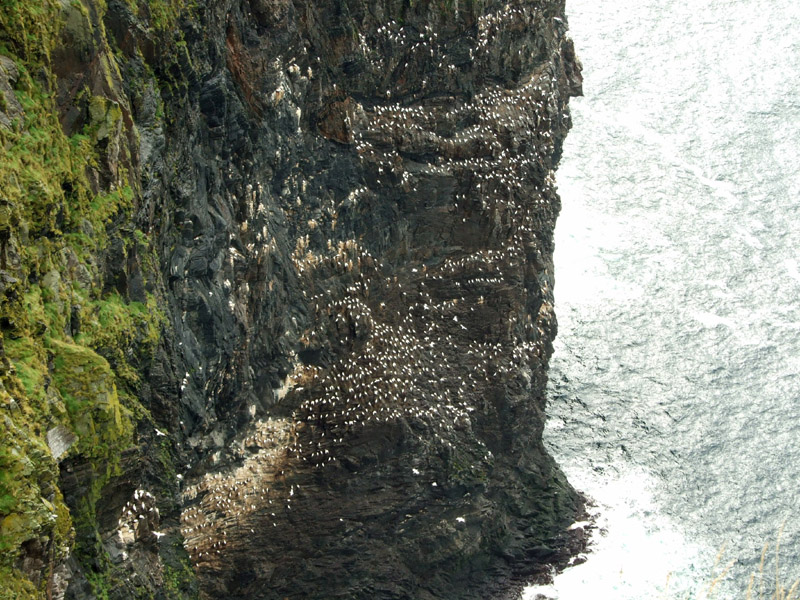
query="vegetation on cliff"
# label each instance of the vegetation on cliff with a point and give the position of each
(72, 340)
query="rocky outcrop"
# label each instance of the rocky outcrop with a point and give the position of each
(317, 327)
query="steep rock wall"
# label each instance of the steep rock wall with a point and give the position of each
(314, 299)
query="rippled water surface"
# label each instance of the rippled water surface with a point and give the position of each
(675, 387)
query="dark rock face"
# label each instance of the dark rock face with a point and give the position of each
(352, 205)
(370, 202)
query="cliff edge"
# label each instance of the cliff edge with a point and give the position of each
(276, 297)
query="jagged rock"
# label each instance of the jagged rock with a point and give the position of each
(422, 234)
(60, 439)
(10, 108)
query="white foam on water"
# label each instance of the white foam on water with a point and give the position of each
(710, 320)
(636, 551)
(583, 275)
(749, 238)
(791, 269)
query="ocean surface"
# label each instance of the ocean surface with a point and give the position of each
(675, 384)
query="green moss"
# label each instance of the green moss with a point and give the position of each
(28, 29)
(179, 580)
(29, 365)
(27, 473)
(166, 460)
(62, 199)
(42, 174)
(87, 384)
(104, 117)
(164, 13)
(124, 332)
(16, 586)
(99, 583)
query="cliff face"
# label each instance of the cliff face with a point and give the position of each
(277, 297)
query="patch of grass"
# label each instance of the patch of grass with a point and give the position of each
(86, 383)
(125, 333)
(29, 365)
(16, 586)
(178, 580)
(781, 591)
(28, 29)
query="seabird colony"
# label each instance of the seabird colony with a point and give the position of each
(398, 330)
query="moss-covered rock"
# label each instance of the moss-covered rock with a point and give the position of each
(73, 342)
(87, 384)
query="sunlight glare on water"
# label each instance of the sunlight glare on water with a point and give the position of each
(635, 549)
(675, 383)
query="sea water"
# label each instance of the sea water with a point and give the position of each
(675, 383)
